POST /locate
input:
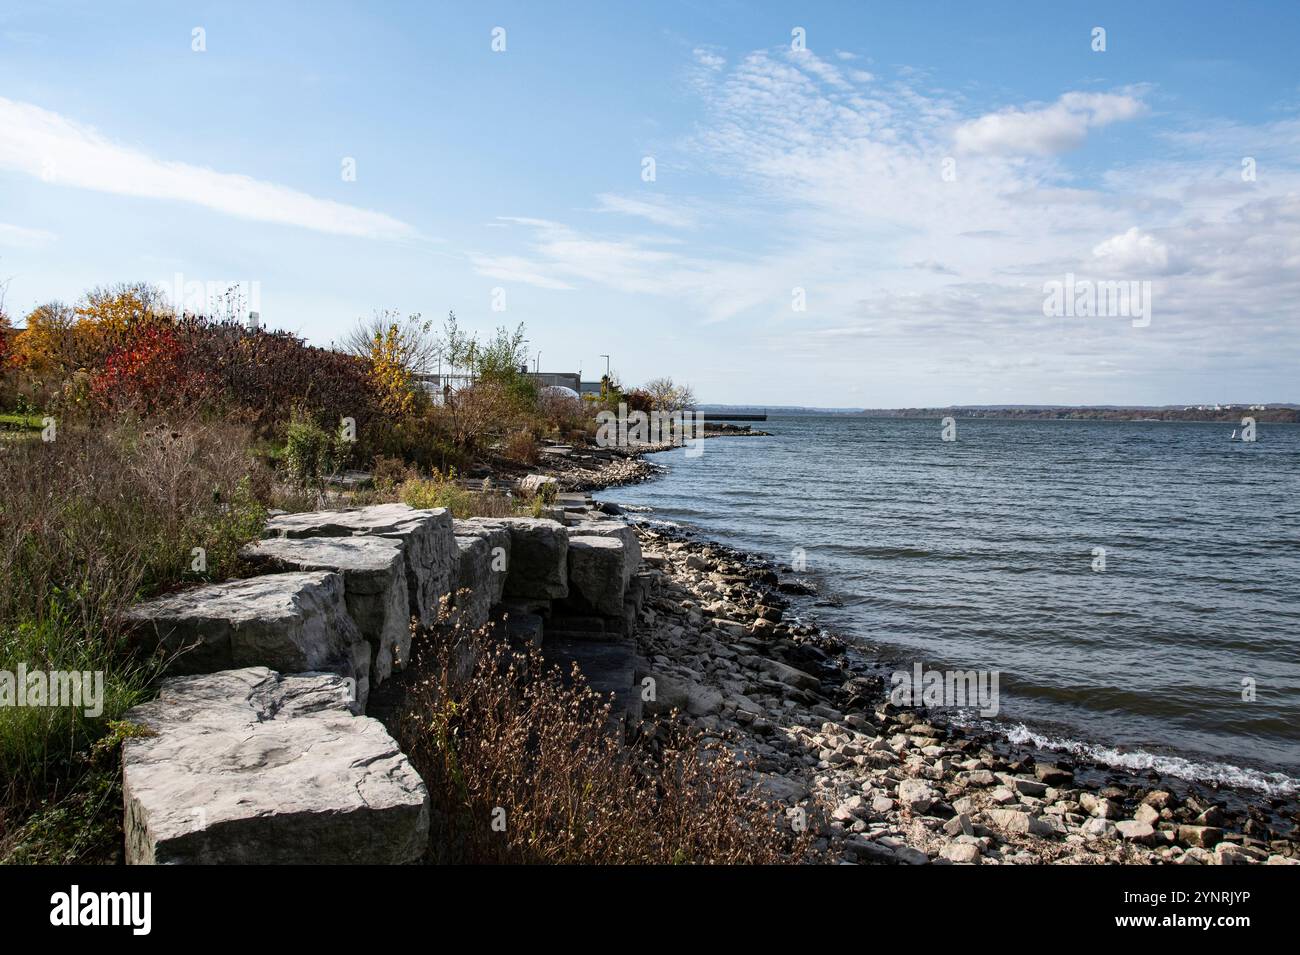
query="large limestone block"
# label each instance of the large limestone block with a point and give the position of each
(498, 542)
(539, 558)
(471, 600)
(374, 587)
(616, 529)
(596, 567)
(293, 622)
(247, 766)
(426, 536)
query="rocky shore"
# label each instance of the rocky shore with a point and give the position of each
(877, 783)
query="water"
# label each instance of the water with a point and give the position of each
(980, 554)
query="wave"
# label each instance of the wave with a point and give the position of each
(1224, 774)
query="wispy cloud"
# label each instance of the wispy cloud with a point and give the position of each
(660, 211)
(23, 237)
(842, 191)
(51, 147)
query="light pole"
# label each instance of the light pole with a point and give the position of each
(606, 357)
(537, 369)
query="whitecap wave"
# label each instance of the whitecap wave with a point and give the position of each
(1224, 774)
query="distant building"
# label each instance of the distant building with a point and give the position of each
(589, 388)
(566, 379)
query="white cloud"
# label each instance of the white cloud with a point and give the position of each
(927, 283)
(23, 237)
(708, 59)
(1048, 130)
(1133, 251)
(44, 144)
(658, 210)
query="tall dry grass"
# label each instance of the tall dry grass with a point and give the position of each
(524, 766)
(89, 523)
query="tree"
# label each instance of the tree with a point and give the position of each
(668, 397)
(414, 346)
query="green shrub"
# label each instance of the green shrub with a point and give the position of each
(311, 453)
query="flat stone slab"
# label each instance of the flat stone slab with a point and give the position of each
(293, 622)
(426, 537)
(374, 587)
(250, 767)
(596, 572)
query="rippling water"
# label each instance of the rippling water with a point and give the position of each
(979, 554)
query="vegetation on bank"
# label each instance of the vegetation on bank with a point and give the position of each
(172, 435)
(523, 767)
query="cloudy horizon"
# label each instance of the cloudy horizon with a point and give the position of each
(830, 208)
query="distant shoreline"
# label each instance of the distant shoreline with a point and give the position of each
(1276, 414)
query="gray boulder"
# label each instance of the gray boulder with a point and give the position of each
(471, 600)
(374, 587)
(498, 539)
(596, 572)
(426, 536)
(616, 529)
(293, 622)
(249, 767)
(539, 558)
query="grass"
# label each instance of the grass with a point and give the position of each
(89, 523)
(20, 422)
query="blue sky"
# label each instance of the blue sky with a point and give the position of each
(127, 155)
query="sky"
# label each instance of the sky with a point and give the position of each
(833, 205)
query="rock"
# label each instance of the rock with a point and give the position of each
(1228, 853)
(916, 795)
(1017, 821)
(428, 544)
(1098, 806)
(1203, 837)
(696, 562)
(471, 600)
(961, 853)
(1099, 829)
(539, 558)
(1158, 799)
(1132, 830)
(881, 804)
(293, 622)
(1147, 813)
(911, 855)
(250, 767)
(533, 484)
(617, 529)
(1028, 787)
(493, 580)
(1053, 775)
(672, 692)
(790, 676)
(374, 587)
(782, 788)
(597, 572)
